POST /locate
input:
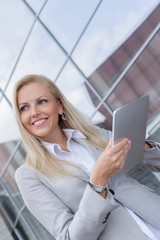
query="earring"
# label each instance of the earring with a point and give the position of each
(64, 117)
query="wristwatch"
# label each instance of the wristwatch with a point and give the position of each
(98, 188)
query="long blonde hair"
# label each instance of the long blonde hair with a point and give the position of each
(37, 155)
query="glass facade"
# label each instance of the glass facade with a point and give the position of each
(133, 68)
(94, 58)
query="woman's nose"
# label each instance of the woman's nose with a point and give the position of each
(34, 112)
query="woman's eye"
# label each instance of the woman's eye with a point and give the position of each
(24, 108)
(42, 101)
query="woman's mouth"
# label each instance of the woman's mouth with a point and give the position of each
(39, 122)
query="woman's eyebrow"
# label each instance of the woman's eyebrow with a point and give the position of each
(41, 97)
(35, 100)
(22, 104)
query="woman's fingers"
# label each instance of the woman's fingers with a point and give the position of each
(112, 159)
(121, 144)
(118, 150)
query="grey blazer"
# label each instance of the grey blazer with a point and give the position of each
(70, 210)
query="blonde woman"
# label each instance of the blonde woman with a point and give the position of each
(66, 180)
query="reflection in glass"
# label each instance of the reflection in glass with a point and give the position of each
(8, 126)
(35, 5)
(39, 57)
(17, 159)
(73, 85)
(106, 33)
(14, 27)
(141, 78)
(35, 228)
(66, 19)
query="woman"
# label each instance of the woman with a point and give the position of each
(66, 180)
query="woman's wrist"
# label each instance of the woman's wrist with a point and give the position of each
(98, 180)
(102, 190)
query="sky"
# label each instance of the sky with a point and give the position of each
(113, 22)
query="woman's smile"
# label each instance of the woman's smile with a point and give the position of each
(40, 122)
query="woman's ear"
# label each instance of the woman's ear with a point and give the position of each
(60, 107)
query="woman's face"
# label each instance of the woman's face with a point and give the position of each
(39, 111)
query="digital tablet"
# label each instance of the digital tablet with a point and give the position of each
(130, 121)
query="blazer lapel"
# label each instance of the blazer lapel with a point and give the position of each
(95, 152)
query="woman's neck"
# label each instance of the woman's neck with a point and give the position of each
(57, 137)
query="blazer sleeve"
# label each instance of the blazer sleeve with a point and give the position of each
(152, 156)
(87, 223)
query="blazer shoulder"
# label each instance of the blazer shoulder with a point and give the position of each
(24, 172)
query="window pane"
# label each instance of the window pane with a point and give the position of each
(14, 27)
(73, 85)
(35, 4)
(66, 19)
(8, 125)
(39, 57)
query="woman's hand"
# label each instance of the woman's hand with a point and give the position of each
(110, 162)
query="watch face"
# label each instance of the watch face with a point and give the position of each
(97, 188)
(100, 189)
